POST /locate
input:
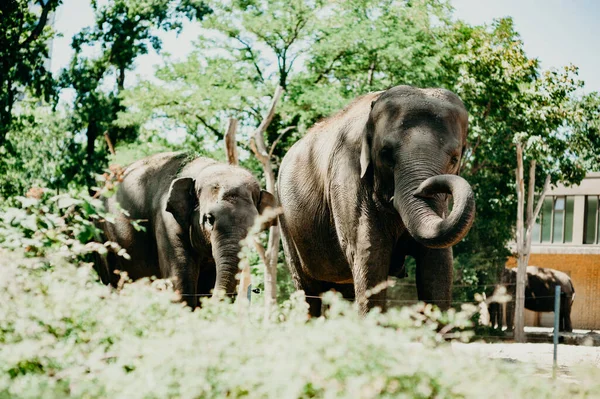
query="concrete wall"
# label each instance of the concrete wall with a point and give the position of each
(584, 270)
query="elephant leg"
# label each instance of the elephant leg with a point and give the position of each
(370, 268)
(347, 290)
(565, 316)
(494, 311)
(185, 281)
(312, 290)
(510, 315)
(206, 282)
(434, 276)
(175, 261)
(102, 265)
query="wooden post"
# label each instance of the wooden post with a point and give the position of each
(259, 148)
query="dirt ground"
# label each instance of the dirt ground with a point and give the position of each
(539, 355)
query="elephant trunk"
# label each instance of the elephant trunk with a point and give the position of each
(225, 252)
(417, 206)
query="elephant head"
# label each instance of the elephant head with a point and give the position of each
(412, 147)
(217, 213)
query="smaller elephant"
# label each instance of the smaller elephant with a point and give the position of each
(195, 210)
(539, 295)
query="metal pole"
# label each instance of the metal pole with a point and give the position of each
(249, 293)
(556, 326)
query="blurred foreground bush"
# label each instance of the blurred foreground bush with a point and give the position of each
(63, 334)
(65, 224)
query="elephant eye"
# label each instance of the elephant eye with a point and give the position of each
(454, 160)
(386, 155)
(208, 219)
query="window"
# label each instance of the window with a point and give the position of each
(591, 228)
(555, 223)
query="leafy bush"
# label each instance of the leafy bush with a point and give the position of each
(64, 224)
(43, 222)
(63, 334)
(41, 150)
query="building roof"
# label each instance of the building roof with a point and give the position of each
(590, 185)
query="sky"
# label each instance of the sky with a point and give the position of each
(557, 32)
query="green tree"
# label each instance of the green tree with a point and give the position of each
(24, 35)
(323, 54)
(509, 97)
(123, 30)
(44, 151)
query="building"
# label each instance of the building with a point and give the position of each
(566, 237)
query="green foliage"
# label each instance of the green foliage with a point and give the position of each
(508, 99)
(124, 30)
(24, 36)
(64, 335)
(44, 151)
(44, 223)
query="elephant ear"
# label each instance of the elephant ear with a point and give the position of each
(182, 199)
(267, 200)
(365, 153)
(365, 148)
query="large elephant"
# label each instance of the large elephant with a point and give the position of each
(368, 186)
(196, 211)
(539, 295)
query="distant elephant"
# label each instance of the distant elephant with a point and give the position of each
(539, 294)
(368, 186)
(196, 211)
(495, 311)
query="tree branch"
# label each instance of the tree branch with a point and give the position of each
(329, 68)
(530, 193)
(284, 131)
(371, 71)
(209, 127)
(230, 143)
(253, 58)
(538, 207)
(258, 141)
(261, 251)
(35, 33)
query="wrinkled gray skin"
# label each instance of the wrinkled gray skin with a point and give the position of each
(539, 295)
(197, 212)
(367, 187)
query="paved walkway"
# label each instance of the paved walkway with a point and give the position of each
(539, 355)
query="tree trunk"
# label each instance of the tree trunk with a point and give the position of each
(521, 266)
(524, 242)
(121, 79)
(92, 134)
(259, 148)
